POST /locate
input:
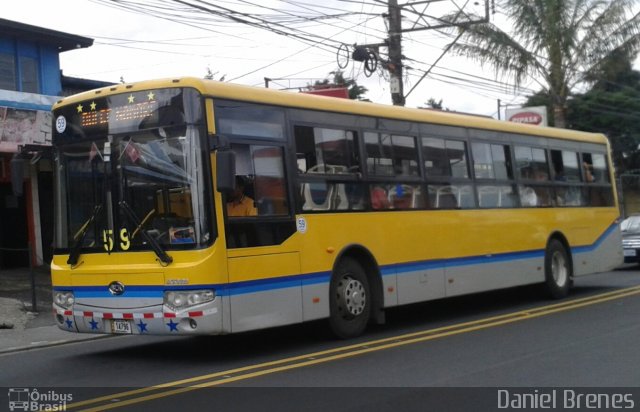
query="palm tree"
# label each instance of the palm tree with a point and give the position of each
(560, 43)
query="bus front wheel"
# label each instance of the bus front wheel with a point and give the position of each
(350, 299)
(557, 269)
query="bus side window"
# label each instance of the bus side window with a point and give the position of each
(269, 182)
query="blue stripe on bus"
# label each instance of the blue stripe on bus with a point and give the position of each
(597, 243)
(263, 285)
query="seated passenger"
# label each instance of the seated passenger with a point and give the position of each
(238, 204)
(528, 196)
(379, 199)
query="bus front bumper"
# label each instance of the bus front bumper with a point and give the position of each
(204, 319)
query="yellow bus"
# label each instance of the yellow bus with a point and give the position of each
(187, 206)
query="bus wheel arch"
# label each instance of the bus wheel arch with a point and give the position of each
(558, 266)
(355, 271)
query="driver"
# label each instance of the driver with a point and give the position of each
(239, 204)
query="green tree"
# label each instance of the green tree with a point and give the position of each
(611, 106)
(434, 104)
(560, 43)
(356, 92)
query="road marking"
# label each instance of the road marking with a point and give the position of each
(252, 371)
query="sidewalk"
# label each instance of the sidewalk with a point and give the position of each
(20, 326)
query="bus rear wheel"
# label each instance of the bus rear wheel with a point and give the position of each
(557, 269)
(350, 299)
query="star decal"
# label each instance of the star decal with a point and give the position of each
(173, 327)
(69, 323)
(131, 98)
(143, 326)
(79, 108)
(94, 324)
(151, 96)
(93, 105)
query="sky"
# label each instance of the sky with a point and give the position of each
(148, 39)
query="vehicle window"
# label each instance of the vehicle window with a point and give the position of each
(451, 197)
(326, 151)
(269, 181)
(497, 196)
(491, 161)
(595, 168)
(565, 166)
(390, 155)
(532, 163)
(397, 196)
(250, 120)
(444, 157)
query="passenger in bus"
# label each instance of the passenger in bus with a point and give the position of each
(239, 204)
(528, 196)
(379, 198)
(588, 172)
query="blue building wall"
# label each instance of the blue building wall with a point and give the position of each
(47, 58)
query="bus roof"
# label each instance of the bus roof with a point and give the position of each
(331, 104)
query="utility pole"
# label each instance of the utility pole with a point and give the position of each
(395, 54)
(369, 55)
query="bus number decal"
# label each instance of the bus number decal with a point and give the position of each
(107, 240)
(125, 243)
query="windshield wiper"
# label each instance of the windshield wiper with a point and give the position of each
(81, 234)
(162, 255)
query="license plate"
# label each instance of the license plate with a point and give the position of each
(629, 252)
(120, 326)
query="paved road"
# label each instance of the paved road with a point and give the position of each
(505, 339)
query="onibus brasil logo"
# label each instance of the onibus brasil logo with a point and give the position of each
(25, 399)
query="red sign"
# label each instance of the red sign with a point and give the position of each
(341, 92)
(526, 117)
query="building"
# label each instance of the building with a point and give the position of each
(30, 82)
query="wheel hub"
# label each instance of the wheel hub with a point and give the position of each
(352, 298)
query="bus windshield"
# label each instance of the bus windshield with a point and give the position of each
(136, 190)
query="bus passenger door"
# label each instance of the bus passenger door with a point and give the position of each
(263, 258)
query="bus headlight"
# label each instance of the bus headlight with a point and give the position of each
(63, 299)
(177, 300)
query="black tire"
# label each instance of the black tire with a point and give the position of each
(557, 270)
(349, 299)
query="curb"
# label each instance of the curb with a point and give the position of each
(47, 344)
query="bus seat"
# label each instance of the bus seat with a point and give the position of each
(313, 204)
(490, 196)
(447, 197)
(340, 200)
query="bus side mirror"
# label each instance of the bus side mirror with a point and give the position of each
(17, 174)
(225, 171)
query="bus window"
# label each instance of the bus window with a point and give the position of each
(269, 183)
(445, 157)
(491, 161)
(595, 168)
(451, 197)
(391, 155)
(532, 163)
(325, 196)
(243, 119)
(497, 196)
(396, 196)
(326, 151)
(565, 166)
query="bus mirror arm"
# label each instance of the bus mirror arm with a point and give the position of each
(225, 170)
